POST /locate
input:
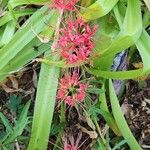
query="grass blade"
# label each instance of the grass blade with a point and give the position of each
(119, 75)
(143, 46)
(120, 120)
(18, 13)
(106, 114)
(130, 31)
(45, 98)
(24, 36)
(8, 33)
(20, 125)
(15, 3)
(44, 107)
(22, 58)
(6, 123)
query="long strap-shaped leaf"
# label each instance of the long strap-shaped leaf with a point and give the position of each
(45, 99)
(44, 107)
(7, 17)
(117, 74)
(15, 3)
(8, 33)
(106, 114)
(26, 55)
(130, 31)
(144, 50)
(120, 120)
(143, 46)
(98, 9)
(24, 36)
(129, 34)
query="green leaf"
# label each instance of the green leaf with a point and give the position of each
(24, 36)
(119, 75)
(26, 55)
(118, 145)
(98, 9)
(130, 30)
(85, 3)
(18, 13)
(44, 106)
(3, 3)
(119, 11)
(45, 99)
(129, 34)
(146, 18)
(15, 3)
(143, 48)
(94, 90)
(19, 126)
(120, 120)
(13, 103)
(6, 123)
(106, 113)
(8, 33)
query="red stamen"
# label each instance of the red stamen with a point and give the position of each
(71, 89)
(76, 42)
(65, 4)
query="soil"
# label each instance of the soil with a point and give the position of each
(135, 105)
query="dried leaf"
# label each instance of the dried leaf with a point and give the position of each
(92, 134)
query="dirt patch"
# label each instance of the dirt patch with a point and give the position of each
(136, 106)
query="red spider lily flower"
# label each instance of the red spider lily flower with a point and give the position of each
(71, 89)
(69, 147)
(73, 144)
(76, 42)
(65, 4)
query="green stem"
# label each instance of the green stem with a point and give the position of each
(99, 130)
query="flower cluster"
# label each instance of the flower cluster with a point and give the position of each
(71, 89)
(76, 42)
(65, 4)
(75, 46)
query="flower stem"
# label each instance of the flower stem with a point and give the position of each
(56, 35)
(99, 130)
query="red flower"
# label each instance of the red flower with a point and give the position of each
(76, 42)
(69, 147)
(71, 90)
(65, 4)
(72, 144)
